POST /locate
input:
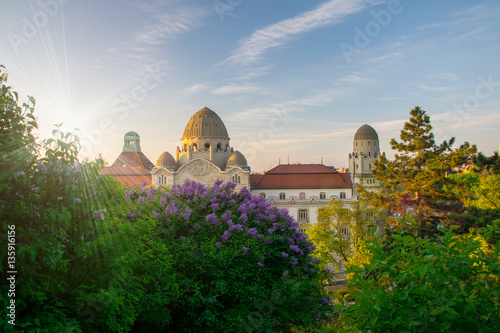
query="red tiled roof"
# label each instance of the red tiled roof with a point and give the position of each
(128, 176)
(301, 176)
(133, 159)
(301, 168)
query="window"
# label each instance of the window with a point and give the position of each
(369, 166)
(368, 143)
(322, 195)
(239, 179)
(219, 146)
(302, 195)
(195, 146)
(303, 215)
(342, 195)
(207, 146)
(344, 231)
(262, 194)
(185, 147)
(282, 196)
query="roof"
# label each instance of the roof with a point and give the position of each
(301, 176)
(166, 160)
(366, 132)
(205, 123)
(133, 159)
(237, 159)
(128, 176)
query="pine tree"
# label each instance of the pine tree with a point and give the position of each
(414, 180)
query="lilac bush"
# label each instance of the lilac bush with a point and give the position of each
(232, 253)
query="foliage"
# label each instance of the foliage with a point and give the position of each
(58, 207)
(340, 228)
(489, 164)
(450, 285)
(414, 180)
(238, 263)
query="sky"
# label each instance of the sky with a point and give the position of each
(291, 79)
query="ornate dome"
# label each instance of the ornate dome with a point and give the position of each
(166, 160)
(236, 159)
(366, 132)
(205, 123)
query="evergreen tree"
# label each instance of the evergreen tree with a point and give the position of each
(414, 180)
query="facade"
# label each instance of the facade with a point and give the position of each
(131, 167)
(302, 188)
(204, 156)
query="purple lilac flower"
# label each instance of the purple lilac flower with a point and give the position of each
(245, 249)
(294, 248)
(215, 206)
(282, 212)
(324, 300)
(163, 201)
(284, 255)
(294, 261)
(225, 236)
(268, 242)
(187, 213)
(227, 215)
(129, 193)
(237, 227)
(251, 232)
(260, 264)
(259, 236)
(212, 218)
(219, 244)
(156, 215)
(151, 191)
(270, 231)
(317, 316)
(196, 226)
(140, 199)
(243, 218)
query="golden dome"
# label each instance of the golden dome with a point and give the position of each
(166, 160)
(236, 159)
(205, 123)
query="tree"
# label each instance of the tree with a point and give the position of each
(339, 228)
(489, 164)
(414, 180)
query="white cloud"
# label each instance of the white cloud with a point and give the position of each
(425, 87)
(252, 48)
(197, 87)
(170, 25)
(234, 89)
(443, 76)
(382, 58)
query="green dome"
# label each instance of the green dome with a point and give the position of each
(132, 142)
(366, 132)
(236, 159)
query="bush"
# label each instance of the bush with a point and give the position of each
(239, 264)
(450, 285)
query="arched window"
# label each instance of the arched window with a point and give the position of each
(302, 195)
(195, 146)
(369, 166)
(369, 153)
(282, 196)
(207, 146)
(219, 146)
(322, 195)
(239, 179)
(342, 195)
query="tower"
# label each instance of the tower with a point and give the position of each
(365, 151)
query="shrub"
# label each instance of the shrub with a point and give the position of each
(448, 285)
(239, 263)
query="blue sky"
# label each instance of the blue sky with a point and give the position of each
(288, 77)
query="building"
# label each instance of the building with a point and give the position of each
(131, 167)
(365, 151)
(302, 188)
(204, 156)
